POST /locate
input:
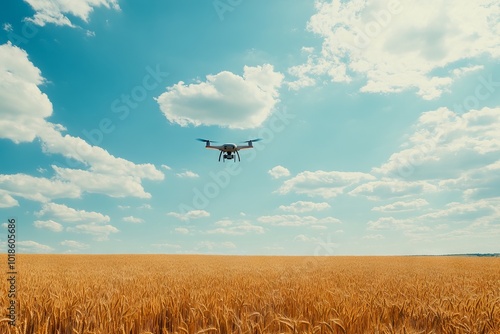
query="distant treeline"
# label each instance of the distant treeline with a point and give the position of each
(476, 254)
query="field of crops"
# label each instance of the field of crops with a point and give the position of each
(229, 294)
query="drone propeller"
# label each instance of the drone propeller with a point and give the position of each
(206, 140)
(252, 140)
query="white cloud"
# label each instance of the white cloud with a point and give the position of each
(398, 45)
(319, 227)
(373, 237)
(402, 206)
(41, 170)
(188, 174)
(74, 244)
(303, 238)
(166, 245)
(55, 11)
(224, 222)
(454, 212)
(132, 219)
(461, 71)
(390, 188)
(477, 219)
(165, 167)
(97, 158)
(30, 246)
(278, 172)
(23, 107)
(66, 214)
(193, 214)
(107, 174)
(99, 231)
(7, 201)
(477, 183)
(181, 230)
(23, 110)
(7, 27)
(323, 184)
(214, 245)
(384, 223)
(295, 220)
(224, 99)
(37, 188)
(303, 206)
(444, 143)
(100, 183)
(49, 225)
(236, 228)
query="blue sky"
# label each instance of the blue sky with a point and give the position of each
(380, 124)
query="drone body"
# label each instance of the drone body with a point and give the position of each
(229, 151)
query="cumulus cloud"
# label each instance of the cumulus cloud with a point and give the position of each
(7, 201)
(30, 246)
(49, 225)
(193, 214)
(444, 143)
(278, 172)
(24, 109)
(132, 219)
(188, 175)
(399, 45)
(23, 106)
(373, 237)
(36, 188)
(181, 230)
(74, 244)
(210, 245)
(390, 188)
(55, 11)
(98, 159)
(402, 206)
(224, 99)
(101, 183)
(236, 228)
(66, 214)
(322, 183)
(100, 232)
(303, 206)
(469, 219)
(469, 211)
(167, 245)
(295, 220)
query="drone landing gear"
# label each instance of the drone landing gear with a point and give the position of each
(228, 156)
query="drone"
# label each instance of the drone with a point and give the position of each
(229, 151)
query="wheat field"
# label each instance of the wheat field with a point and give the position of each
(236, 294)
